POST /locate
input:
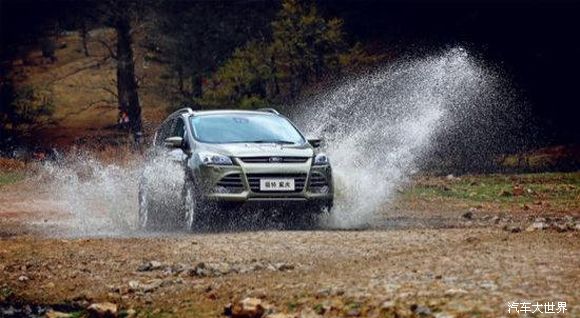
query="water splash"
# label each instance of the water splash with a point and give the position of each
(99, 198)
(379, 128)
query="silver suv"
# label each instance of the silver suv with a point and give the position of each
(234, 158)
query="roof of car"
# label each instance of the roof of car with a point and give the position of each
(231, 111)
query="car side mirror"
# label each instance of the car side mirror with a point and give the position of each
(315, 142)
(173, 142)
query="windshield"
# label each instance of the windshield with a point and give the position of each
(251, 128)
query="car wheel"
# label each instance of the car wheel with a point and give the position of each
(157, 214)
(194, 209)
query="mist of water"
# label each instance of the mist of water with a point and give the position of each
(380, 127)
(378, 130)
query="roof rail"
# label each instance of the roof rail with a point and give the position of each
(269, 110)
(182, 110)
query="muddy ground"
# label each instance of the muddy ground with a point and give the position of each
(441, 262)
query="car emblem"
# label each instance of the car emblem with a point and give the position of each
(276, 159)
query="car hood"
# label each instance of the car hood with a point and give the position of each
(261, 150)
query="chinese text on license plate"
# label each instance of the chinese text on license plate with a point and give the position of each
(276, 184)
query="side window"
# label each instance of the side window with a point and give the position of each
(180, 131)
(163, 132)
(178, 128)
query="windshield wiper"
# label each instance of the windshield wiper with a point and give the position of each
(284, 142)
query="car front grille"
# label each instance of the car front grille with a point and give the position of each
(317, 180)
(254, 181)
(274, 159)
(232, 182)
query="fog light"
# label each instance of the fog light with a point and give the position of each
(220, 189)
(323, 189)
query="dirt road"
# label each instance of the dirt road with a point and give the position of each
(413, 264)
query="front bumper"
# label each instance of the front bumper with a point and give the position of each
(239, 183)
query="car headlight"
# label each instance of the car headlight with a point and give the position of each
(209, 158)
(321, 159)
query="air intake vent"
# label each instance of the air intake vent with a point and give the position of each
(232, 182)
(274, 159)
(317, 180)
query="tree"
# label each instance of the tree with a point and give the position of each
(304, 47)
(126, 81)
(194, 37)
(25, 105)
(120, 14)
(246, 79)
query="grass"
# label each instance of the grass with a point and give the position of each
(554, 191)
(83, 88)
(10, 177)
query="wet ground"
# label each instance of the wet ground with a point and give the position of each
(439, 263)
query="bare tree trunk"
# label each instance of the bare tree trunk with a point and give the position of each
(126, 81)
(196, 85)
(84, 37)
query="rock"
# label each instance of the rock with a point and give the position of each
(250, 308)
(472, 239)
(57, 314)
(388, 307)
(468, 215)
(145, 287)
(150, 266)
(490, 285)
(309, 313)
(129, 313)
(455, 292)
(175, 269)
(324, 292)
(280, 315)
(283, 267)
(102, 310)
(537, 226)
(560, 227)
(210, 269)
(421, 311)
(577, 227)
(23, 278)
(495, 219)
(443, 315)
(512, 228)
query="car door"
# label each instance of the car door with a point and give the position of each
(178, 130)
(163, 132)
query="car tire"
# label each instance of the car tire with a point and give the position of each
(194, 209)
(154, 215)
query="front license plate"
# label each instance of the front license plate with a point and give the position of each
(276, 184)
